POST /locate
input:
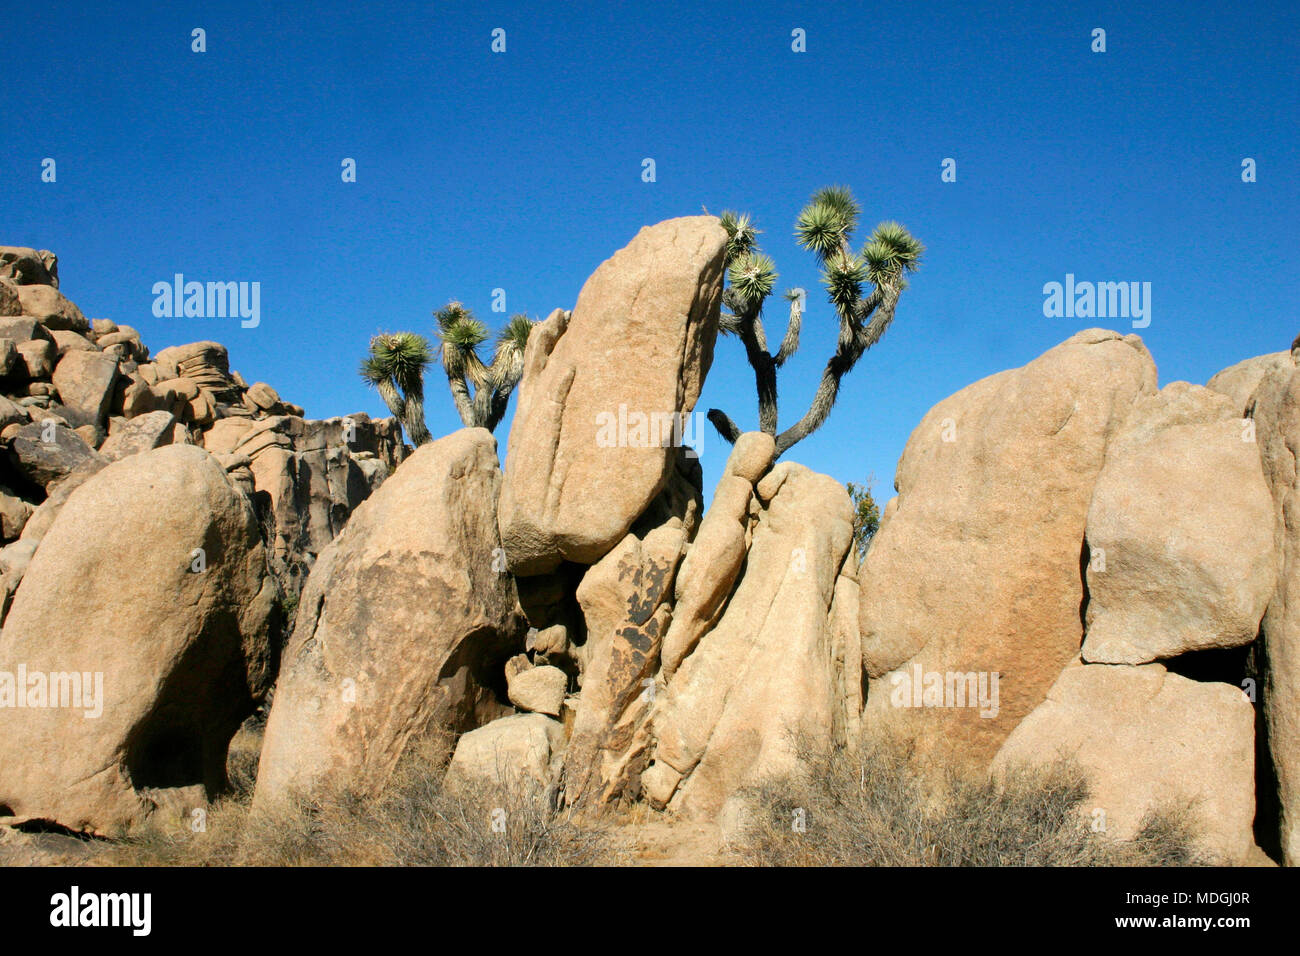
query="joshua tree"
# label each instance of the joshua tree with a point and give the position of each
(460, 335)
(826, 227)
(396, 367)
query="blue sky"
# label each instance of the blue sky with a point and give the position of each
(522, 171)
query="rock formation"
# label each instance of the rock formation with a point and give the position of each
(591, 443)
(405, 625)
(137, 643)
(976, 566)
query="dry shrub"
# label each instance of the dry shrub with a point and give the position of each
(416, 821)
(887, 804)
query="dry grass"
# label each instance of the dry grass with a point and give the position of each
(887, 805)
(416, 821)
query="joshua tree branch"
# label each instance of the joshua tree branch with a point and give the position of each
(464, 402)
(851, 346)
(790, 344)
(725, 426)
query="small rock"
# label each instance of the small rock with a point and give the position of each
(539, 689)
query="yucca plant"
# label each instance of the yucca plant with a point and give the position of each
(460, 335)
(395, 366)
(825, 226)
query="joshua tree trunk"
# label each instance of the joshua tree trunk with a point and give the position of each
(853, 342)
(413, 417)
(392, 398)
(464, 403)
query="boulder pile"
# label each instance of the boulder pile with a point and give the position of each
(76, 394)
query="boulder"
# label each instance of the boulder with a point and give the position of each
(46, 453)
(65, 341)
(591, 442)
(263, 396)
(766, 673)
(976, 567)
(1277, 432)
(36, 358)
(23, 328)
(1239, 381)
(538, 689)
(514, 754)
(1149, 739)
(623, 599)
(1180, 532)
(713, 562)
(155, 635)
(14, 513)
(10, 304)
(29, 266)
(403, 627)
(85, 382)
(152, 430)
(47, 304)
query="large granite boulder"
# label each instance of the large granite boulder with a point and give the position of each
(591, 443)
(1150, 740)
(404, 625)
(138, 641)
(733, 710)
(976, 567)
(1180, 532)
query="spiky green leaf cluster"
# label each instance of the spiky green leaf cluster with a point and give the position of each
(826, 224)
(508, 361)
(398, 357)
(752, 277)
(742, 237)
(843, 277)
(891, 252)
(460, 335)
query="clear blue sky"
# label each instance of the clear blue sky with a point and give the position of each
(522, 171)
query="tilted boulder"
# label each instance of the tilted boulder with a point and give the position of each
(85, 382)
(590, 445)
(731, 713)
(712, 564)
(1180, 532)
(1149, 740)
(976, 566)
(149, 596)
(145, 432)
(623, 604)
(46, 454)
(404, 625)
